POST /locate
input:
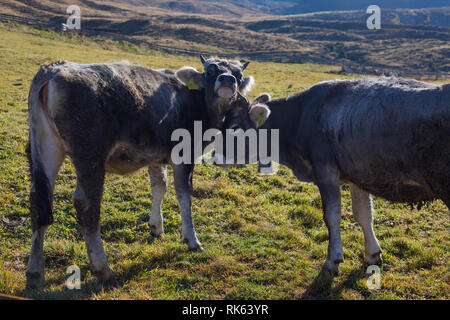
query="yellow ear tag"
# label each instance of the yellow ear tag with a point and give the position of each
(191, 85)
(260, 121)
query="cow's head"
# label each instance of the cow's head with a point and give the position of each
(222, 80)
(245, 115)
(248, 115)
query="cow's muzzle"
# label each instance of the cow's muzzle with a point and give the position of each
(225, 86)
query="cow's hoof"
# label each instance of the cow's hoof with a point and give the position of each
(35, 280)
(156, 232)
(374, 259)
(105, 277)
(194, 245)
(197, 248)
(332, 266)
(110, 282)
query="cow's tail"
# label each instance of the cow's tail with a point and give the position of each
(41, 139)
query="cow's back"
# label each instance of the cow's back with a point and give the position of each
(390, 136)
(133, 99)
(120, 84)
(126, 111)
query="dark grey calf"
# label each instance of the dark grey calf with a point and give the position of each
(117, 118)
(387, 137)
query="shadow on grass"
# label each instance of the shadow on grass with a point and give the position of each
(55, 288)
(61, 292)
(322, 286)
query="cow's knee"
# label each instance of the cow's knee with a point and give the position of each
(79, 198)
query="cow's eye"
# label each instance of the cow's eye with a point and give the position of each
(238, 77)
(212, 71)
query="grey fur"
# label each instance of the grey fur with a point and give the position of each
(112, 117)
(389, 137)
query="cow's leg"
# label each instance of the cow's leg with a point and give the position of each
(87, 199)
(363, 213)
(45, 155)
(183, 188)
(329, 188)
(158, 183)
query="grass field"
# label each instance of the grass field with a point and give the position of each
(264, 236)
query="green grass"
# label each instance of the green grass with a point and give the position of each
(264, 236)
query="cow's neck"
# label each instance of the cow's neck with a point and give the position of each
(196, 110)
(284, 116)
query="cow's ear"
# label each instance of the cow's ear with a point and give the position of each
(262, 98)
(259, 114)
(246, 85)
(193, 79)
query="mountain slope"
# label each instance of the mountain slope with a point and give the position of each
(296, 7)
(275, 7)
(340, 38)
(223, 8)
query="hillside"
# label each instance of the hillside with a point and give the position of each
(439, 17)
(415, 12)
(403, 46)
(287, 7)
(241, 8)
(264, 236)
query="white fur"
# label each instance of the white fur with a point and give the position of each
(249, 86)
(363, 213)
(36, 260)
(96, 254)
(158, 181)
(185, 202)
(185, 74)
(45, 139)
(259, 112)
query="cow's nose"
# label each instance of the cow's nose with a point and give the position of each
(227, 79)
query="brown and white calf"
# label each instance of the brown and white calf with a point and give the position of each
(117, 117)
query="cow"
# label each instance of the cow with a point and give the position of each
(388, 137)
(117, 118)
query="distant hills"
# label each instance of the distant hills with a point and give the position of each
(243, 8)
(410, 42)
(240, 8)
(416, 17)
(287, 7)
